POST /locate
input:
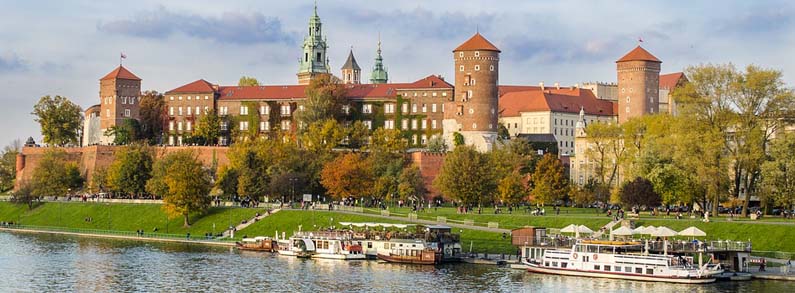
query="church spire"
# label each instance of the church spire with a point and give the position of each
(350, 70)
(379, 74)
(314, 60)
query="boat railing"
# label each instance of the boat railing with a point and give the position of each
(709, 246)
(552, 242)
(324, 234)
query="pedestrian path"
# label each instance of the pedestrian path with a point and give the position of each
(606, 228)
(253, 220)
(429, 222)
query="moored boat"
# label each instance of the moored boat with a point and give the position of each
(259, 243)
(412, 253)
(617, 260)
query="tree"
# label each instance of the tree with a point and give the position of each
(511, 188)
(130, 169)
(24, 195)
(152, 116)
(347, 175)
(357, 135)
(8, 165)
(323, 135)
(778, 180)
(208, 128)
(606, 148)
(248, 81)
(55, 175)
(466, 175)
(60, 120)
(98, 181)
(639, 192)
(549, 181)
(437, 145)
(324, 98)
(411, 184)
(183, 184)
(227, 181)
(458, 139)
(125, 133)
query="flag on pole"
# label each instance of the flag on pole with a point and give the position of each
(640, 40)
(123, 56)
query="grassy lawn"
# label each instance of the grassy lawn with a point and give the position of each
(288, 221)
(123, 217)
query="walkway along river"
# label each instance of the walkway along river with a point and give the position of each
(57, 263)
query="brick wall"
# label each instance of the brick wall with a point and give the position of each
(430, 164)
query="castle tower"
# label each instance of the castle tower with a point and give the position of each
(379, 74)
(120, 93)
(472, 111)
(638, 84)
(314, 61)
(351, 73)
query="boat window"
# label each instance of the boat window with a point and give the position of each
(638, 270)
(369, 245)
(546, 263)
(607, 268)
(649, 271)
(617, 269)
(627, 269)
(597, 267)
(563, 264)
(554, 263)
(592, 248)
(414, 245)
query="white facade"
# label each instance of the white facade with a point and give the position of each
(560, 124)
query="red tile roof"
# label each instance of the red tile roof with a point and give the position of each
(199, 86)
(639, 54)
(120, 73)
(277, 92)
(669, 81)
(564, 100)
(477, 42)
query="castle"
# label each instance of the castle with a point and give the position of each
(474, 108)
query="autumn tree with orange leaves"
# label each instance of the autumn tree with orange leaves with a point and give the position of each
(348, 175)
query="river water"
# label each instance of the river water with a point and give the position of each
(50, 263)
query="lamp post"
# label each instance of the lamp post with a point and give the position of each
(293, 180)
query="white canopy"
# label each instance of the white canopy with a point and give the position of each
(664, 232)
(583, 229)
(569, 229)
(692, 232)
(369, 224)
(639, 230)
(649, 230)
(623, 231)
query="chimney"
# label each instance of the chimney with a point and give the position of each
(557, 85)
(541, 85)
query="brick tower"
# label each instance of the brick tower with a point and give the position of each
(120, 94)
(472, 111)
(638, 84)
(351, 72)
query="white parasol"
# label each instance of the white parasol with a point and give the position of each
(692, 232)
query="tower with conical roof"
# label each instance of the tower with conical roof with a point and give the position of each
(379, 74)
(472, 111)
(638, 84)
(351, 72)
(313, 61)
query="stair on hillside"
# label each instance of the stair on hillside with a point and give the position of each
(606, 228)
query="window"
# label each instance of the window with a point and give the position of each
(367, 108)
(424, 139)
(171, 111)
(477, 68)
(300, 107)
(285, 110)
(190, 111)
(638, 270)
(264, 125)
(243, 125)
(171, 98)
(404, 124)
(180, 98)
(224, 126)
(444, 94)
(563, 264)
(123, 100)
(179, 126)
(414, 124)
(477, 53)
(491, 68)
(607, 268)
(179, 111)
(461, 68)
(433, 108)
(442, 108)
(433, 94)
(171, 125)
(189, 98)
(223, 110)
(170, 140)
(285, 124)
(126, 112)
(368, 124)
(389, 108)
(389, 124)
(346, 109)
(197, 111)
(405, 107)
(424, 124)
(206, 109)
(424, 108)
(206, 97)
(414, 108)
(649, 271)
(461, 54)
(469, 94)
(627, 269)
(188, 126)
(433, 124)
(243, 110)
(597, 267)
(414, 139)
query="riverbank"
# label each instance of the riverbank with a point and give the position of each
(111, 235)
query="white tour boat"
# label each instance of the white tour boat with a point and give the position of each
(622, 260)
(320, 244)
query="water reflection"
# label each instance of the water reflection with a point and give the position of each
(57, 263)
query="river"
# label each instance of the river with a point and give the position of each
(50, 263)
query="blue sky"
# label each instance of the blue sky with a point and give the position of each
(64, 47)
